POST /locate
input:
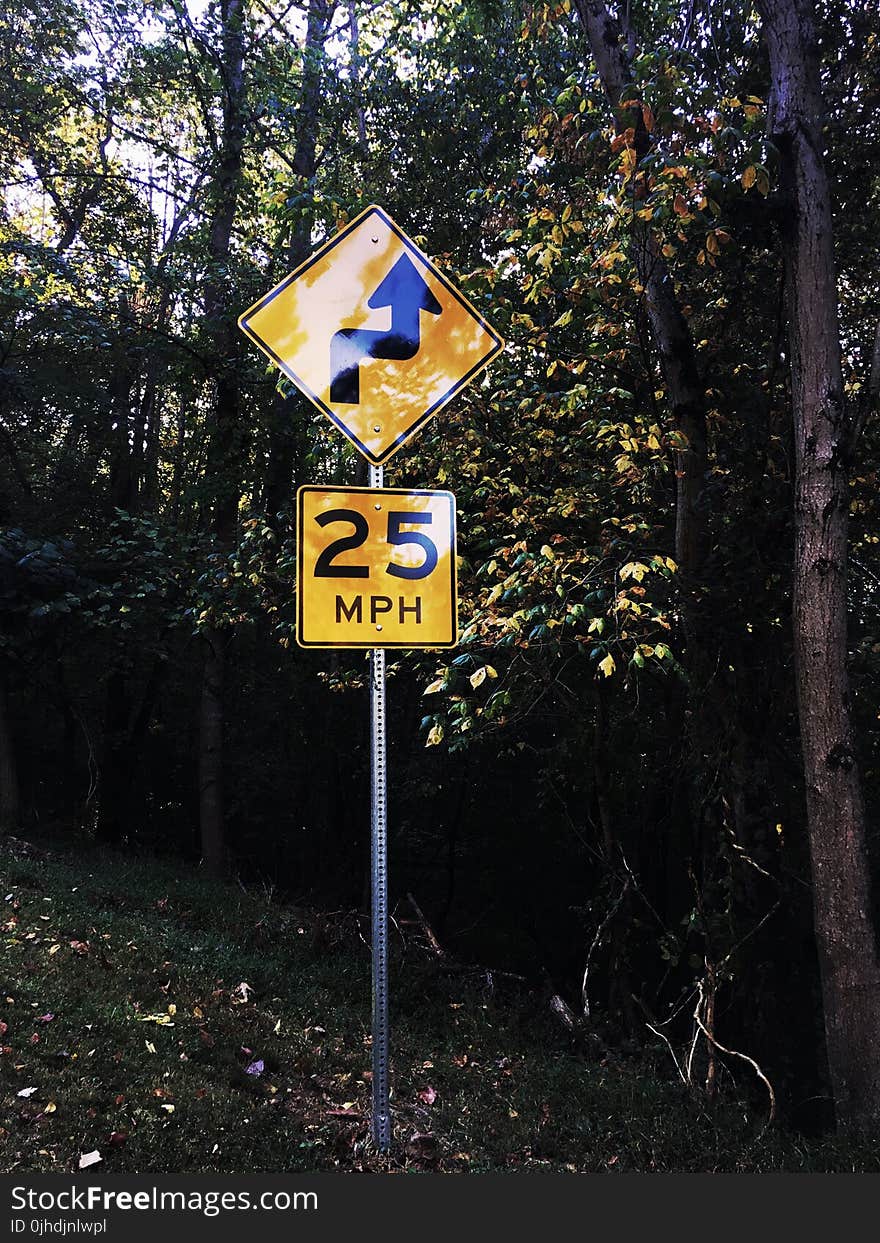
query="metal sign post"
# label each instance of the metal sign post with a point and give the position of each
(379, 884)
(326, 327)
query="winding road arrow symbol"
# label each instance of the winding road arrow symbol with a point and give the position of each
(406, 292)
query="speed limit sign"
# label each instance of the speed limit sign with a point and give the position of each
(376, 568)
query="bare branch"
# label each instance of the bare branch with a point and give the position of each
(733, 1053)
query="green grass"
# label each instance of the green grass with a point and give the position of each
(163, 987)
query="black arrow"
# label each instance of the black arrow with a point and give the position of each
(405, 291)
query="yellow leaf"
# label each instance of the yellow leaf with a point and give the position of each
(50, 1108)
(748, 177)
(478, 678)
(712, 244)
(547, 551)
(607, 666)
(435, 686)
(435, 737)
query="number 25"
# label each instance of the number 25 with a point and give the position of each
(325, 567)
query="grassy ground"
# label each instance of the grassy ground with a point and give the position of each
(171, 1024)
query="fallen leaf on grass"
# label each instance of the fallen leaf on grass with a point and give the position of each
(428, 1095)
(89, 1158)
(256, 1068)
(45, 1018)
(26, 1092)
(4, 1028)
(118, 1138)
(81, 948)
(163, 1020)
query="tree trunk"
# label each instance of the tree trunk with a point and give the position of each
(848, 964)
(115, 774)
(290, 415)
(123, 483)
(225, 446)
(211, 737)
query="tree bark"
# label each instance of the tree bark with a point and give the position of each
(848, 964)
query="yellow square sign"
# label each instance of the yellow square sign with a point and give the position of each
(373, 333)
(375, 568)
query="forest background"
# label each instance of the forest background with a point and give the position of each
(645, 784)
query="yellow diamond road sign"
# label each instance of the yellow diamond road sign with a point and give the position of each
(375, 568)
(373, 333)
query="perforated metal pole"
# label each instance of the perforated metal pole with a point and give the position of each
(379, 876)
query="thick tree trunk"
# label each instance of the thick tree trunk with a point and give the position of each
(835, 810)
(612, 49)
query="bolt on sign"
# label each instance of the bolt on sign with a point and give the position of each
(373, 333)
(375, 568)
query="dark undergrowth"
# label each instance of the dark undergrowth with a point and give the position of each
(171, 1024)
